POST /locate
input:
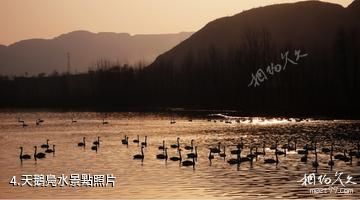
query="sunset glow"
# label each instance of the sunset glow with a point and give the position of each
(21, 20)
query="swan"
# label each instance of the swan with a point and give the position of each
(210, 155)
(163, 146)
(163, 155)
(251, 155)
(341, 156)
(82, 144)
(303, 151)
(45, 146)
(331, 162)
(325, 150)
(292, 148)
(95, 148)
(304, 158)
(125, 140)
(216, 150)
(190, 147)
(193, 155)
(270, 160)
(309, 147)
(177, 158)
(223, 154)
(260, 153)
(241, 144)
(315, 163)
(104, 122)
(281, 152)
(50, 150)
(145, 142)
(38, 155)
(356, 153)
(97, 142)
(23, 124)
(136, 140)
(20, 121)
(177, 145)
(39, 121)
(346, 158)
(236, 160)
(140, 156)
(25, 156)
(73, 121)
(189, 162)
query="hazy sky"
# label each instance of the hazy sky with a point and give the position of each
(24, 19)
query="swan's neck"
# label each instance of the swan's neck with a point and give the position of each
(142, 152)
(84, 141)
(180, 154)
(21, 152)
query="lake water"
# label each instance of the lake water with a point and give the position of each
(158, 179)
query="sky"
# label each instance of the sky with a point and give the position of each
(25, 19)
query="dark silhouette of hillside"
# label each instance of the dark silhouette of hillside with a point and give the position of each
(215, 64)
(213, 68)
(45, 56)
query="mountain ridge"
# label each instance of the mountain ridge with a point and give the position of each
(269, 18)
(86, 48)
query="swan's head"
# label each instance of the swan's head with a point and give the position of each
(47, 140)
(20, 147)
(35, 147)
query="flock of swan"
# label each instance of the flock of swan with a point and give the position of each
(236, 156)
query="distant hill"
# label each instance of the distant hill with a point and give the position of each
(216, 65)
(303, 24)
(85, 48)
